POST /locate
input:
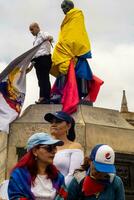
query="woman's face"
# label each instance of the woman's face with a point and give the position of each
(59, 128)
(45, 153)
(98, 175)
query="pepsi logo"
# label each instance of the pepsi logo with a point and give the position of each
(108, 156)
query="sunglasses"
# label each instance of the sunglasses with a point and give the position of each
(49, 148)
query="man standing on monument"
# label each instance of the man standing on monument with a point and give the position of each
(42, 62)
(73, 45)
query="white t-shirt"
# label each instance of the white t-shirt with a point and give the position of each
(45, 48)
(43, 188)
(67, 160)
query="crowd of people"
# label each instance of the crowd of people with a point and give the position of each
(54, 167)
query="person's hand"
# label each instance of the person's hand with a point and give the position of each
(30, 67)
(28, 70)
(50, 38)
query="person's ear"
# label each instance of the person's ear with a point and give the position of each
(34, 151)
(69, 126)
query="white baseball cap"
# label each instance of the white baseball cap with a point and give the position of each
(103, 158)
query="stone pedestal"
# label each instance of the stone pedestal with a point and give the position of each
(3, 154)
(93, 126)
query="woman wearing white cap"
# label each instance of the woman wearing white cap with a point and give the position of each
(35, 177)
(99, 180)
(69, 156)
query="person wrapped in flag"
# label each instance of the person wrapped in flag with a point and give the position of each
(73, 48)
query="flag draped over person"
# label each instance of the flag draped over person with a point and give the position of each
(13, 88)
(70, 97)
(73, 42)
(74, 45)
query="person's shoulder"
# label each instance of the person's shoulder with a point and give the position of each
(117, 181)
(76, 145)
(77, 11)
(19, 170)
(73, 10)
(42, 33)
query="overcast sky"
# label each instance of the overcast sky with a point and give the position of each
(110, 25)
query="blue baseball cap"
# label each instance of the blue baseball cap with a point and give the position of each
(103, 158)
(42, 138)
(63, 116)
(59, 115)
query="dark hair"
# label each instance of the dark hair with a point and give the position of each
(84, 167)
(63, 116)
(71, 133)
(86, 163)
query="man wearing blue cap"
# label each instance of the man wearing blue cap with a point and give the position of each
(99, 180)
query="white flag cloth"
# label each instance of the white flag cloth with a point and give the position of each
(13, 88)
(3, 190)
